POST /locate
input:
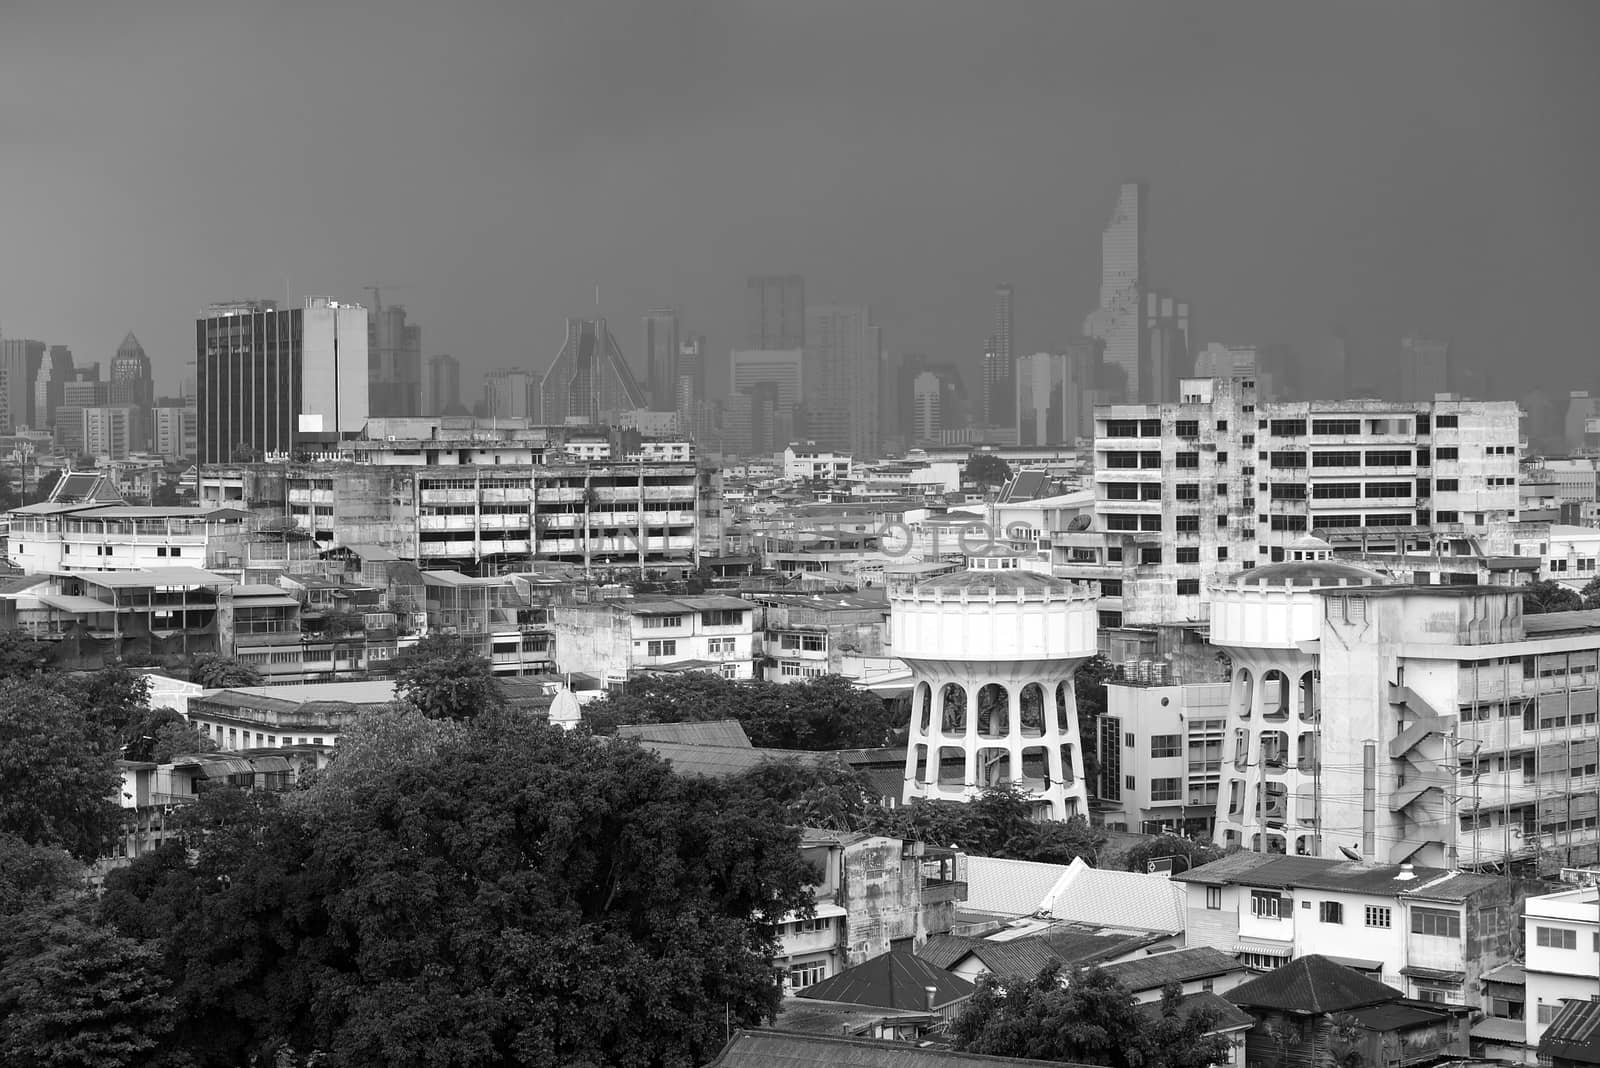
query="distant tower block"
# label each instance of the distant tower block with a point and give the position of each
(993, 651)
(1270, 799)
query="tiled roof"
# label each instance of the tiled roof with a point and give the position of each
(779, 1049)
(710, 732)
(1229, 1016)
(1106, 898)
(1179, 966)
(1574, 1034)
(894, 980)
(1312, 985)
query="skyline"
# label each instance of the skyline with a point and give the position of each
(450, 159)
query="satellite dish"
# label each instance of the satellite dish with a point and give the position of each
(1079, 523)
(1351, 853)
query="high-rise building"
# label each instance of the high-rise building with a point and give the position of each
(999, 365)
(109, 430)
(775, 312)
(271, 381)
(1164, 348)
(49, 384)
(172, 432)
(20, 360)
(588, 379)
(441, 386)
(133, 386)
(508, 393)
(1056, 395)
(1424, 367)
(783, 368)
(927, 423)
(394, 355)
(1116, 320)
(691, 383)
(842, 363)
(661, 358)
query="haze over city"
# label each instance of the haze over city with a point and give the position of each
(1379, 167)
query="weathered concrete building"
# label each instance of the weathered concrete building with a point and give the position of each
(809, 636)
(613, 638)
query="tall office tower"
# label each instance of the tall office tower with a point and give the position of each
(1326, 375)
(775, 312)
(747, 368)
(20, 361)
(736, 436)
(508, 393)
(691, 384)
(1000, 399)
(588, 379)
(1116, 321)
(1164, 354)
(765, 419)
(1283, 368)
(1424, 367)
(48, 385)
(1056, 395)
(109, 431)
(336, 381)
(132, 386)
(394, 362)
(172, 432)
(842, 357)
(441, 385)
(660, 349)
(927, 421)
(248, 368)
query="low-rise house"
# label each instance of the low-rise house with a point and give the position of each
(1563, 953)
(1313, 1011)
(1023, 950)
(280, 717)
(899, 981)
(1430, 932)
(1074, 893)
(614, 638)
(152, 792)
(1198, 970)
(1229, 1022)
(1502, 1033)
(809, 636)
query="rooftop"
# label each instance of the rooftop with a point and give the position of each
(1312, 986)
(997, 580)
(1574, 1035)
(893, 980)
(1229, 1017)
(779, 1049)
(1179, 966)
(1542, 623)
(721, 761)
(717, 732)
(1316, 873)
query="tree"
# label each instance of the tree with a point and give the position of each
(446, 679)
(46, 484)
(32, 875)
(1191, 852)
(56, 773)
(115, 697)
(172, 739)
(1090, 1019)
(1089, 689)
(998, 823)
(816, 714)
(1591, 594)
(21, 655)
(986, 469)
(1548, 596)
(831, 795)
(220, 672)
(492, 891)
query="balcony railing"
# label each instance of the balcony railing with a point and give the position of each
(935, 891)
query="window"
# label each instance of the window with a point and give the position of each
(720, 645)
(1188, 587)
(1186, 524)
(1187, 428)
(1446, 452)
(1447, 485)
(1222, 425)
(1379, 916)
(1166, 789)
(722, 617)
(1122, 460)
(1269, 904)
(1389, 489)
(1437, 923)
(1446, 422)
(1129, 782)
(1335, 491)
(1336, 426)
(1289, 428)
(1388, 457)
(1213, 897)
(1186, 460)
(1150, 555)
(1130, 739)
(806, 974)
(811, 643)
(1188, 554)
(1288, 491)
(1122, 428)
(1186, 491)
(662, 622)
(1330, 912)
(663, 648)
(1336, 459)
(1166, 745)
(1547, 1013)
(1556, 937)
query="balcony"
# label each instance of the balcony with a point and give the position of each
(937, 891)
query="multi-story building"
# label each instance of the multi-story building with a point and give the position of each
(843, 350)
(278, 717)
(172, 432)
(1159, 753)
(111, 431)
(1562, 943)
(20, 360)
(1116, 321)
(657, 633)
(508, 393)
(775, 312)
(1056, 395)
(1220, 482)
(394, 362)
(1432, 933)
(806, 637)
(814, 464)
(132, 386)
(783, 368)
(506, 619)
(588, 379)
(1424, 367)
(88, 536)
(49, 384)
(441, 386)
(999, 365)
(661, 350)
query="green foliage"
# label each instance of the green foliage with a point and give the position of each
(56, 773)
(831, 795)
(32, 875)
(816, 714)
(1092, 1019)
(483, 892)
(73, 993)
(179, 737)
(21, 655)
(114, 697)
(1192, 851)
(447, 680)
(219, 672)
(1591, 594)
(999, 823)
(986, 469)
(1548, 596)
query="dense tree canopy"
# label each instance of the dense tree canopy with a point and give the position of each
(56, 773)
(1188, 852)
(21, 655)
(1088, 1019)
(986, 469)
(446, 679)
(491, 891)
(815, 714)
(1548, 596)
(218, 672)
(1591, 593)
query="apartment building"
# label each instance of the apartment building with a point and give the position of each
(1160, 754)
(88, 536)
(505, 618)
(1562, 942)
(807, 636)
(1222, 481)
(615, 638)
(1432, 933)
(816, 465)
(278, 717)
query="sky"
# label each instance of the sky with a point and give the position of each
(1378, 167)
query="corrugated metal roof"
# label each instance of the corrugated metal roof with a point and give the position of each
(709, 732)
(893, 980)
(1574, 1034)
(779, 1049)
(1106, 898)
(1179, 966)
(720, 761)
(1312, 985)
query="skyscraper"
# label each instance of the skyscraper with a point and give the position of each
(1056, 394)
(842, 365)
(133, 387)
(336, 397)
(691, 385)
(775, 312)
(507, 393)
(1164, 353)
(48, 385)
(588, 378)
(999, 365)
(661, 358)
(441, 386)
(1424, 367)
(394, 354)
(20, 361)
(1116, 320)
(927, 421)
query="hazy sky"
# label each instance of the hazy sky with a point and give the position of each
(1381, 166)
